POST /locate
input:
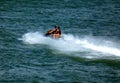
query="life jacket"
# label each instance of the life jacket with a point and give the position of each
(57, 31)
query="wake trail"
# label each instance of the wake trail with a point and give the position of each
(70, 43)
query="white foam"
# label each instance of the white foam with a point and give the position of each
(70, 43)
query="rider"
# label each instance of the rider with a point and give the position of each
(55, 33)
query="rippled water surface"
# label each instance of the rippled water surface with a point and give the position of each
(88, 52)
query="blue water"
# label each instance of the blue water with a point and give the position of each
(88, 52)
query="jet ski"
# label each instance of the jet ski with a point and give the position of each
(54, 33)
